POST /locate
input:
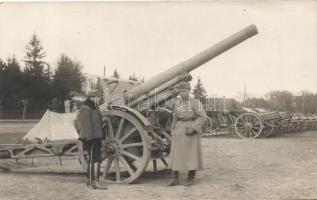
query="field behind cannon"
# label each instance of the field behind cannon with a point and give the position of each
(281, 167)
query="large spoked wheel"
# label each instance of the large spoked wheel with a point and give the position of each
(248, 125)
(285, 126)
(298, 126)
(305, 125)
(269, 128)
(314, 125)
(294, 125)
(208, 126)
(125, 150)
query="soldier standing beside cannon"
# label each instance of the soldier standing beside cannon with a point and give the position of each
(188, 120)
(88, 125)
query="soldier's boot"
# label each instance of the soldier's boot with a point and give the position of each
(98, 184)
(87, 172)
(91, 179)
(175, 180)
(90, 175)
(190, 178)
(91, 169)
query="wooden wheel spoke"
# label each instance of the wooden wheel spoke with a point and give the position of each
(110, 128)
(240, 123)
(253, 119)
(250, 133)
(128, 134)
(107, 167)
(247, 119)
(118, 175)
(126, 156)
(256, 125)
(243, 119)
(137, 144)
(125, 163)
(255, 129)
(245, 132)
(253, 132)
(166, 135)
(130, 155)
(243, 128)
(118, 133)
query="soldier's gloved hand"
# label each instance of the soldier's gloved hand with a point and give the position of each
(190, 131)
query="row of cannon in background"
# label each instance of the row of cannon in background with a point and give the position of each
(255, 123)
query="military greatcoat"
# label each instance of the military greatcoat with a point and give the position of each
(186, 149)
(88, 123)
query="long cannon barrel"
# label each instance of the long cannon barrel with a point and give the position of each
(193, 62)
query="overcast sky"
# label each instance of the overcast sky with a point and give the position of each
(148, 38)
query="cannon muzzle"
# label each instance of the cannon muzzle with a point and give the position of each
(193, 62)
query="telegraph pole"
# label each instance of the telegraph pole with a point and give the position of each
(214, 100)
(224, 103)
(245, 91)
(303, 102)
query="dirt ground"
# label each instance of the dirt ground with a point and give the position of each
(281, 167)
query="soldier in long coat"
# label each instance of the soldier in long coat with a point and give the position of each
(88, 125)
(189, 118)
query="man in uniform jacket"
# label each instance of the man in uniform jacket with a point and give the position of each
(189, 118)
(88, 125)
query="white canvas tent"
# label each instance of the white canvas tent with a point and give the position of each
(53, 126)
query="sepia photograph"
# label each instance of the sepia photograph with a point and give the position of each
(158, 100)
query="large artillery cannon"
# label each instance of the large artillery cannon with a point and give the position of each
(135, 120)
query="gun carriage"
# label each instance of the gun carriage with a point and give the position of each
(303, 122)
(136, 125)
(253, 124)
(298, 122)
(312, 125)
(261, 123)
(219, 122)
(285, 122)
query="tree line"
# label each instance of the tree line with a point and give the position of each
(278, 100)
(36, 86)
(33, 85)
(281, 100)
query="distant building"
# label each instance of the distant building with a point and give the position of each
(305, 103)
(222, 104)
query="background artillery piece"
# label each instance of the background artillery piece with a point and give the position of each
(303, 122)
(260, 123)
(254, 124)
(220, 122)
(312, 124)
(136, 124)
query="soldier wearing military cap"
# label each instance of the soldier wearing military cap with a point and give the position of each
(188, 120)
(88, 125)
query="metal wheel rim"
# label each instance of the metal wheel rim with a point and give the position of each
(111, 161)
(244, 132)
